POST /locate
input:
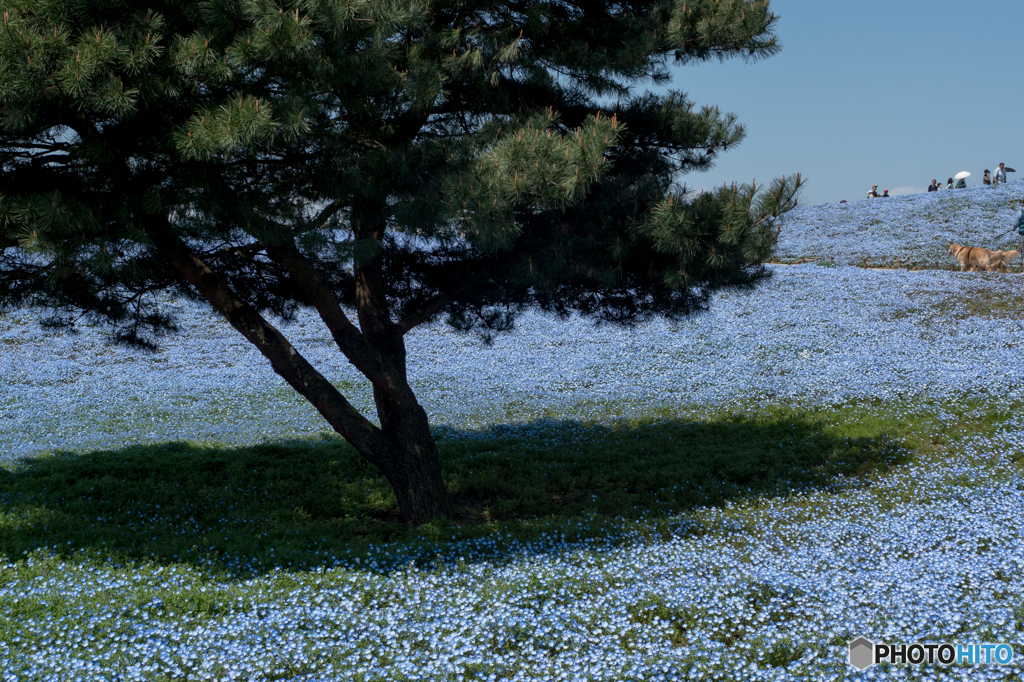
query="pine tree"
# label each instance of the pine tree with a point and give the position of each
(383, 162)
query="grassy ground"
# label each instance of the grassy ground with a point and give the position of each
(302, 504)
(165, 541)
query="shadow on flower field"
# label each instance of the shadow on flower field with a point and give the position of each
(303, 504)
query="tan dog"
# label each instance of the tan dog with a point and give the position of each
(975, 258)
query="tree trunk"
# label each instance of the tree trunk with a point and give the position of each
(408, 458)
(412, 466)
(402, 448)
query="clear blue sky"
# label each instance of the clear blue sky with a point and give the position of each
(876, 91)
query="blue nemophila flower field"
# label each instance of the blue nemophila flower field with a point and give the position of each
(814, 335)
(760, 585)
(915, 229)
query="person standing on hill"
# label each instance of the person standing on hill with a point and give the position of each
(934, 187)
(961, 183)
(873, 192)
(1019, 222)
(1000, 174)
(986, 179)
(949, 183)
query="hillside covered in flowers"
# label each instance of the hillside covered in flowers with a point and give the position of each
(910, 230)
(766, 580)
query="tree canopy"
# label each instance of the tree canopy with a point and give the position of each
(384, 162)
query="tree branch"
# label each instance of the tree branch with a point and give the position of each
(428, 309)
(378, 369)
(369, 440)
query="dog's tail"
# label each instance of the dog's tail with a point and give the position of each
(1010, 256)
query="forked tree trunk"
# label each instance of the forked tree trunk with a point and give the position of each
(412, 465)
(407, 456)
(402, 448)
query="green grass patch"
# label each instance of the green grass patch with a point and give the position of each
(300, 504)
(173, 527)
(297, 504)
(1005, 303)
(677, 621)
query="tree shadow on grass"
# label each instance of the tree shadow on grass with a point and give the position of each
(303, 504)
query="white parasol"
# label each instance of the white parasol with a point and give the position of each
(961, 175)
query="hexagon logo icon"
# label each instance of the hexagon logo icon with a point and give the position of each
(862, 653)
